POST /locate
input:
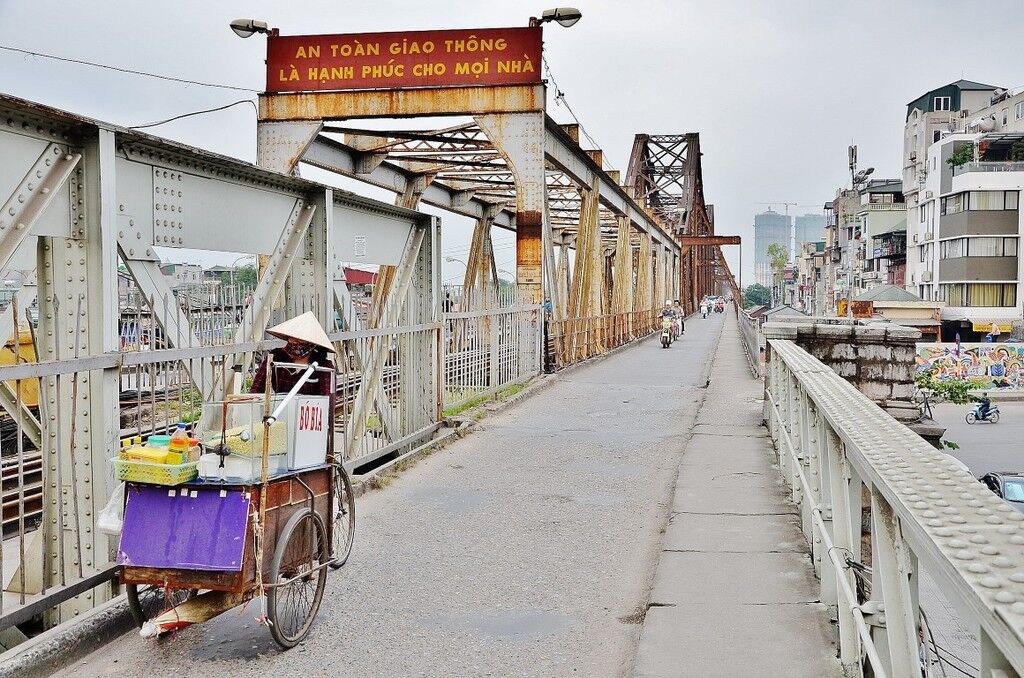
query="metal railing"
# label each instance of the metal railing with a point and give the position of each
(843, 458)
(582, 338)
(488, 350)
(989, 166)
(882, 207)
(750, 334)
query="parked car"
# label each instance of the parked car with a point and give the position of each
(1007, 484)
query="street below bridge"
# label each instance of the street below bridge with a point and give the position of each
(526, 548)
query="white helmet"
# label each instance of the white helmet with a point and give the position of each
(668, 302)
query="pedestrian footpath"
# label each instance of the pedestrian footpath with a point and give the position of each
(734, 593)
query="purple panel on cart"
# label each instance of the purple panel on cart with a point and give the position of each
(184, 527)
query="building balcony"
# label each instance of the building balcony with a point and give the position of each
(883, 207)
(989, 166)
(896, 249)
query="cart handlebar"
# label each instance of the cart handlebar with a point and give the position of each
(269, 421)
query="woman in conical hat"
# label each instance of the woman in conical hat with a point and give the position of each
(307, 343)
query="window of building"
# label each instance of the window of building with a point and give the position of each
(942, 104)
(980, 294)
(1019, 110)
(1006, 115)
(952, 204)
(936, 135)
(986, 200)
(977, 247)
(979, 201)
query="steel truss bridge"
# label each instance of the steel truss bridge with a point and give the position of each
(596, 255)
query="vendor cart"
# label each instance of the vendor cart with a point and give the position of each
(191, 551)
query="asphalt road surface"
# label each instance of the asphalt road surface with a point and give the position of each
(985, 447)
(526, 548)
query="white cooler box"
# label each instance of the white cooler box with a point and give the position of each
(308, 423)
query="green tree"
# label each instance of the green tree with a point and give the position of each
(779, 257)
(756, 295)
(244, 276)
(961, 156)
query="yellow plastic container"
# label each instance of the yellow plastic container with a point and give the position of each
(154, 474)
(153, 455)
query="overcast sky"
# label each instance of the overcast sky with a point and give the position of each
(777, 89)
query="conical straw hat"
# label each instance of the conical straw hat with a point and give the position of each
(305, 327)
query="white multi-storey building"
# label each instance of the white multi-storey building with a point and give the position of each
(965, 233)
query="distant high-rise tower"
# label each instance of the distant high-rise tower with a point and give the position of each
(808, 228)
(769, 227)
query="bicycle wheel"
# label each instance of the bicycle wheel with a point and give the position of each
(150, 602)
(994, 417)
(343, 513)
(971, 418)
(297, 577)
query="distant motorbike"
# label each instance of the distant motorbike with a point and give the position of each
(668, 326)
(992, 416)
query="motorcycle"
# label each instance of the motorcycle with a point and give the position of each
(667, 331)
(975, 414)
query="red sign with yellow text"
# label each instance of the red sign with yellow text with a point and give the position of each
(458, 58)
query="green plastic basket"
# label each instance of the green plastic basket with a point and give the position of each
(154, 474)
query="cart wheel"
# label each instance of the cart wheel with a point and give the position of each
(299, 560)
(343, 527)
(148, 599)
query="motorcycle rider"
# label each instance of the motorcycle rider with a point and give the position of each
(677, 307)
(984, 406)
(668, 313)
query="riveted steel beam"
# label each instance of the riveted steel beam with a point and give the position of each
(335, 156)
(32, 196)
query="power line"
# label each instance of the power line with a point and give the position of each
(560, 99)
(83, 62)
(206, 110)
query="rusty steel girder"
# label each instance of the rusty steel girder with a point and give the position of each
(401, 103)
(666, 177)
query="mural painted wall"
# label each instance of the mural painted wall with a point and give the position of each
(984, 365)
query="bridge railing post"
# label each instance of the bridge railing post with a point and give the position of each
(823, 473)
(845, 535)
(891, 563)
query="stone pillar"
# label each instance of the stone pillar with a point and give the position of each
(877, 358)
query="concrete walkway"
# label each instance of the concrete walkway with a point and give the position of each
(525, 549)
(734, 593)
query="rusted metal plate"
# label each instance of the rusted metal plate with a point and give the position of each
(399, 103)
(489, 56)
(529, 248)
(687, 240)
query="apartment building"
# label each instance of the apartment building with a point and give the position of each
(966, 233)
(883, 226)
(807, 228)
(810, 278)
(865, 238)
(769, 227)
